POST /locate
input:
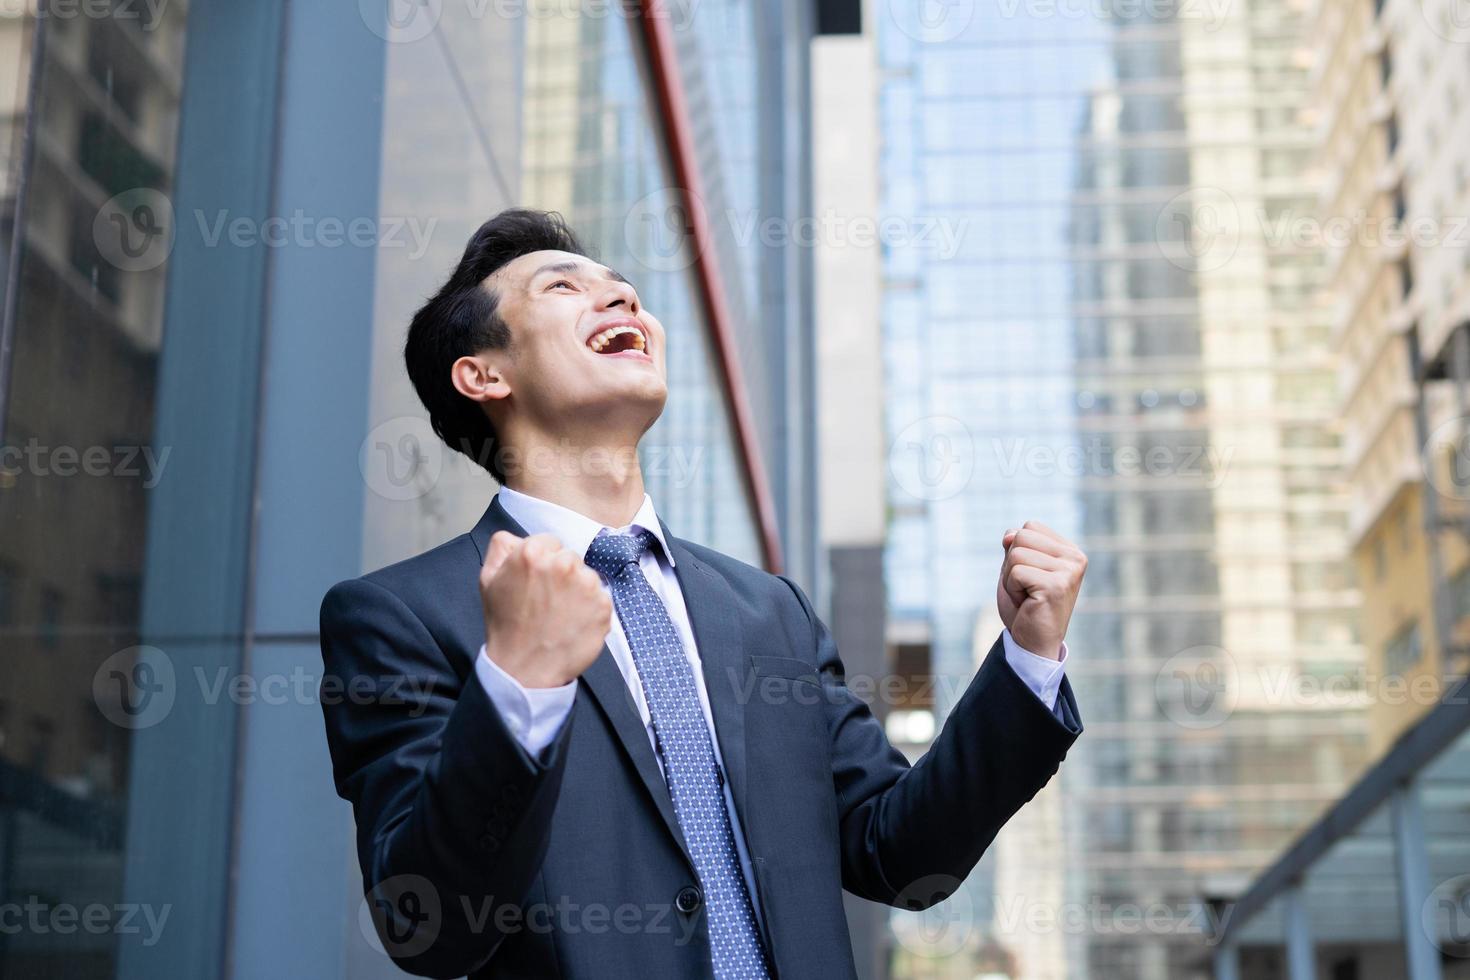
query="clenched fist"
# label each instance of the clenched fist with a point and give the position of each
(1039, 581)
(546, 613)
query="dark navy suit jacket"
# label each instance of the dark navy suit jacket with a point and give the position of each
(478, 858)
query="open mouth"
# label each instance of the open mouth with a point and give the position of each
(618, 339)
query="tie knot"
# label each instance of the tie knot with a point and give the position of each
(611, 553)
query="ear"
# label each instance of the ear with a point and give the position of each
(479, 378)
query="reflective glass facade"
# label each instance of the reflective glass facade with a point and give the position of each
(221, 221)
(1116, 344)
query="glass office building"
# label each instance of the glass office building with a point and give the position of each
(216, 220)
(1119, 346)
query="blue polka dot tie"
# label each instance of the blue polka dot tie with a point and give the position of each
(683, 740)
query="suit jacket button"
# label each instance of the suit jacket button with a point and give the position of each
(688, 900)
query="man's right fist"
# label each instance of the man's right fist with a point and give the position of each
(546, 612)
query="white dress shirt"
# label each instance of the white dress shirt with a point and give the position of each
(535, 715)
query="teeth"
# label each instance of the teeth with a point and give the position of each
(601, 340)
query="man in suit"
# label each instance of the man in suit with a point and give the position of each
(637, 758)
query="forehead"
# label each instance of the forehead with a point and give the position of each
(522, 269)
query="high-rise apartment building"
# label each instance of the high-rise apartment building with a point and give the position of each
(1390, 98)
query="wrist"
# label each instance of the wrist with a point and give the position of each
(526, 669)
(1040, 646)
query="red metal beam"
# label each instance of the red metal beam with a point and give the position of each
(669, 88)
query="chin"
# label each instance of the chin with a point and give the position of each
(627, 405)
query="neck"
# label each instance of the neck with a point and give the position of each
(601, 481)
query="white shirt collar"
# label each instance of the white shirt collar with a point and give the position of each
(575, 531)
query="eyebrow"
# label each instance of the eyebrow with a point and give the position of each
(573, 266)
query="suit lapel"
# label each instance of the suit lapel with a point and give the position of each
(605, 682)
(712, 613)
(610, 690)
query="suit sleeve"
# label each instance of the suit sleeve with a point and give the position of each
(452, 813)
(910, 835)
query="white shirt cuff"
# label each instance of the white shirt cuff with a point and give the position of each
(1042, 674)
(533, 714)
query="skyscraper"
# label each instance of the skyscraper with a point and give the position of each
(1140, 358)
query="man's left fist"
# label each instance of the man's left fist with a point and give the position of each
(1039, 581)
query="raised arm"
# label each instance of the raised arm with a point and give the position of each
(910, 836)
(452, 812)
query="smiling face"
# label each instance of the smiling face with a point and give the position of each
(582, 350)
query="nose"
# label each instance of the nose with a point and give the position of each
(618, 296)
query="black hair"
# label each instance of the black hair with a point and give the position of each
(462, 319)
